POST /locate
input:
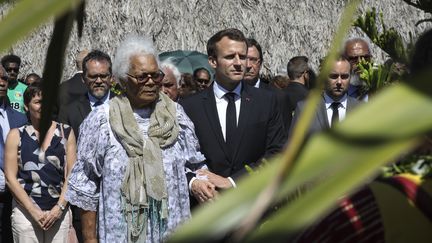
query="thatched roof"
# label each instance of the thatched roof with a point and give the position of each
(284, 28)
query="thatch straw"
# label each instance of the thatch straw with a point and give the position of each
(284, 28)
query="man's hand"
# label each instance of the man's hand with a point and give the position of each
(217, 180)
(203, 190)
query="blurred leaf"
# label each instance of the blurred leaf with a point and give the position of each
(53, 68)
(26, 15)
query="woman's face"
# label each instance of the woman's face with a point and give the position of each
(34, 108)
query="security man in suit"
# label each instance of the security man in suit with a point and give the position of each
(236, 124)
(335, 102)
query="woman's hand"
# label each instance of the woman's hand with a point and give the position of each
(51, 217)
(38, 215)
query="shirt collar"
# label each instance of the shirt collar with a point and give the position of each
(220, 91)
(328, 100)
(257, 84)
(93, 99)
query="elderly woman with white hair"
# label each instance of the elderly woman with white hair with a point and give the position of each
(131, 158)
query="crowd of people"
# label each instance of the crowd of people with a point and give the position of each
(136, 145)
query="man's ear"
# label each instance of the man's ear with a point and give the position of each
(212, 61)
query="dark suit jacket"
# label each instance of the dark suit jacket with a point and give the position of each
(15, 118)
(70, 90)
(282, 102)
(75, 112)
(261, 132)
(320, 121)
(296, 92)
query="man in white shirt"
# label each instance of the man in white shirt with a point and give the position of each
(237, 125)
(335, 103)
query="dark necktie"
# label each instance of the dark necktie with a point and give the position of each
(231, 119)
(98, 103)
(335, 116)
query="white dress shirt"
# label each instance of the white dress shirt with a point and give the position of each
(222, 104)
(342, 107)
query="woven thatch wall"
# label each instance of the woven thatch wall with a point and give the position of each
(283, 27)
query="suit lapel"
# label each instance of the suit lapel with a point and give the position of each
(245, 111)
(84, 107)
(209, 104)
(322, 115)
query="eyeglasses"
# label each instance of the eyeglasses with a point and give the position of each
(16, 70)
(143, 78)
(253, 60)
(5, 78)
(355, 59)
(337, 75)
(104, 77)
(202, 81)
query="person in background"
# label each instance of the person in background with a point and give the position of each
(280, 82)
(299, 74)
(202, 78)
(36, 174)
(187, 85)
(31, 78)
(171, 81)
(11, 64)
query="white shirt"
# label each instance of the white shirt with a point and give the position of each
(257, 83)
(222, 104)
(342, 107)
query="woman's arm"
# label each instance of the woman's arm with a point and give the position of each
(55, 213)
(11, 171)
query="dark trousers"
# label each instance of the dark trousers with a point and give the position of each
(5, 218)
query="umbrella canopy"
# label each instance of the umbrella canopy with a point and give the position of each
(187, 61)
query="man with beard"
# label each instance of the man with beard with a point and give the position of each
(335, 102)
(11, 64)
(97, 76)
(357, 49)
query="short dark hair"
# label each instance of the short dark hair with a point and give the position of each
(96, 55)
(11, 58)
(196, 71)
(31, 91)
(252, 42)
(297, 66)
(232, 34)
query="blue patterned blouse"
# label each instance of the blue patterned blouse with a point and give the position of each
(41, 173)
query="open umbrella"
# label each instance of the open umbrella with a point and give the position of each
(187, 61)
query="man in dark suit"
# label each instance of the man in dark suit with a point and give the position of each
(298, 72)
(97, 75)
(9, 118)
(335, 103)
(252, 77)
(74, 87)
(236, 124)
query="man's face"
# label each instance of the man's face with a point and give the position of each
(230, 63)
(169, 84)
(98, 78)
(253, 65)
(142, 93)
(12, 68)
(202, 79)
(3, 83)
(338, 80)
(355, 51)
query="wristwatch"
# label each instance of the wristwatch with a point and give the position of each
(61, 206)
